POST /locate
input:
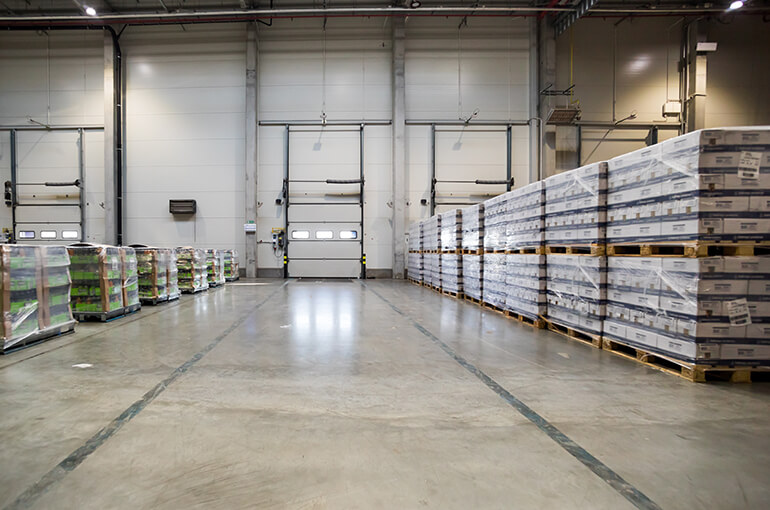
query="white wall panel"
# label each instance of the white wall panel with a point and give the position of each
(185, 130)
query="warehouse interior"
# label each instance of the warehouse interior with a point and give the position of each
(320, 180)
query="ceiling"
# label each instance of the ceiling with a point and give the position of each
(111, 11)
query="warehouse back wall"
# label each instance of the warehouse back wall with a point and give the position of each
(186, 110)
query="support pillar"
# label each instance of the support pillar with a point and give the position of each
(110, 142)
(399, 149)
(250, 188)
(696, 77)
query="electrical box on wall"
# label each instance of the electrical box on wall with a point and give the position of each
(182, 206)
(672, 108)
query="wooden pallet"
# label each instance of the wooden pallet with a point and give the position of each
(153, 301)
(689, 249)
(473, 252)
(585, 337)
(41, 336)
(473, 299)
(594, 250)
(456, 295)
(451, 252)
(537, 323)
(99, 316)
(418, 283)
(133, 308)
(493, 307)
(193, 291)
(690, 371)
(528, 250)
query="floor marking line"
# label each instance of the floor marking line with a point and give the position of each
(73, 460)
(614, 480)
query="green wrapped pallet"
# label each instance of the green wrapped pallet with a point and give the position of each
(34, 294)
(191, 269)
(152, 266)
(97, 280)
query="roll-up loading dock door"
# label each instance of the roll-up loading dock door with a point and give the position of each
(324, 201)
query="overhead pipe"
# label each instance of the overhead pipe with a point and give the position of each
(336, 12)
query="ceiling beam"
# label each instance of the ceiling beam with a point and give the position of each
(566, 19)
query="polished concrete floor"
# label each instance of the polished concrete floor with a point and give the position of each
(335, 394)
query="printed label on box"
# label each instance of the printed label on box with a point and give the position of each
(738, 311)
(748, 166)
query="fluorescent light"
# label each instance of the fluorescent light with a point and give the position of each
(90, 11)
(737, 4)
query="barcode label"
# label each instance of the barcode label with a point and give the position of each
(738, 311)
(748, 166)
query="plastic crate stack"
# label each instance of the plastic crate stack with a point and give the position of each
(232, 268)
(451, 252)
(130, 277)
(473, 251)
(432, 258)
(493, 289)
(153, 273)
(575, 225)
(414, 268)
(525, 277)
(97, 281)
(215, 267)
(192, 269)
(694, 211)
(172, 276)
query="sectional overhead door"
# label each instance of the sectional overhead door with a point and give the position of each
(324, 203)
(46, 191)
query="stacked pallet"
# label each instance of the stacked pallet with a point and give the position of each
(495, 242)
(172, 276)
(130, 277)
(451, 228)
(97, 281)
(35, 299)
(215, 263)
(153, 266)
(192, 269)
(473, 251)
(680, 216)
(525, 277)
(575, 225)
(232, 268)
(414, 263)
(432, 259)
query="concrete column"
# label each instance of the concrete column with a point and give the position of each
(399, 149)
(250, 257)
(547, 72)
(110, 142)
(696, 77)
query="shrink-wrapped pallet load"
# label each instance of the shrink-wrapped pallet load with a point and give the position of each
(153, 273)
(172, 276)
(130, 276)
(192, 269)
(232, 267)
(215, 263)
(34, 294)
(97, 281)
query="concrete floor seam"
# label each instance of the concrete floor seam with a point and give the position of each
(73, 460)
(614, 480)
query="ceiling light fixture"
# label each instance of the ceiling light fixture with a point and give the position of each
(737, 4)
(90, 11)
(414, 4)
